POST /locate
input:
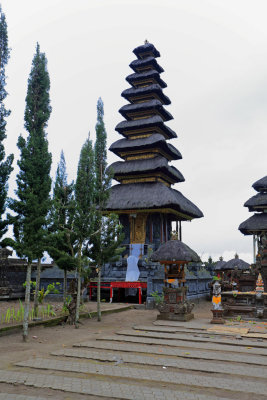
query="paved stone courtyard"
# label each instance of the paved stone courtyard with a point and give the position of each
(147, 361)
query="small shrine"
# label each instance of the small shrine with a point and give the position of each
(175, 255)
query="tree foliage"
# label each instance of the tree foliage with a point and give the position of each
(5, 163)
(33, 180)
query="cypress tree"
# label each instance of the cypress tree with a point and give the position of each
(33, 180)
(5, 164)
(61, 237)
(84, 219)
(108, 234)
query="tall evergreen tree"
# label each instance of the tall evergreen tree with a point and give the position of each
(5, 164)
(83, 224)
(108, 235)
(33, 180)
(61, 237)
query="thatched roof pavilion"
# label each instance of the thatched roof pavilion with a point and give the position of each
(235, 263)
(175, 250)
(144, 198)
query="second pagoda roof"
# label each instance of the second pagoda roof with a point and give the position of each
(149, 165)
(254, 225)
(257, 202)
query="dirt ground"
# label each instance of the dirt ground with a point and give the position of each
(44, 340)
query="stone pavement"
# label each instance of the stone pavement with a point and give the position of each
(147, 364)
(175, 362)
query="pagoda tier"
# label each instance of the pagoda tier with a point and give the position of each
(148, 146)
(156, 197)
(154, 169)
(257, 224)
(144, 110)
(144, 192)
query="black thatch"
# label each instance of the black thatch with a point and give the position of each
(219, 265)
(254, 225)
(154, 90)
(151, 142)
(235, 263)
(175, 250)
(145, 49)
(261, 185)
(257, 202)
(134, 196)
(135, 167)
(156, 121)
(133, 79)
(151, 62)
(150, 106)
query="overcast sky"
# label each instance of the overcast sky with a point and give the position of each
(214, 53)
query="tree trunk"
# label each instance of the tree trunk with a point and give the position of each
(99, 294)
(78, 291)
(65, 287)
(37, 287)
(27, 302)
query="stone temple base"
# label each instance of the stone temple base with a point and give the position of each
(175, 317)
(175, 307)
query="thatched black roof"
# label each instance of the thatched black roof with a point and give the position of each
(150, 106)
(261, 185)
(146, 62)
(155, 121)
(255, 224)
(137, 167)
(257, 202)
(236, 263)
(134, 196)
(156, 140)
(133, 79)
(219, 265)
(145, 49)
(154, 90)
(175, 250)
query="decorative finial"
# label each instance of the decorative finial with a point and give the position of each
(146, 41)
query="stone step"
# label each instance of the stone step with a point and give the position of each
(102, 388)
(144, 374)
(198, 338)
(170, 340)
(177, 362)
(145, 346)
(14, 396)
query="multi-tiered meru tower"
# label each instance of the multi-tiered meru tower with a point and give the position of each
(144, 199)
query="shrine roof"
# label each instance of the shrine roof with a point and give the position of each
(155, 121)
(255, 224)
(156, 195)
(140, 76)
(219, 265)
(153, 141)
(149, 62)
(147, 48)
(261, 185)
(257, 202)
(236, 263)
(128, 94)
(146, 165)
(146, 106)
(175, 250)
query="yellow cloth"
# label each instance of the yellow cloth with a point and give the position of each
(216, 299)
